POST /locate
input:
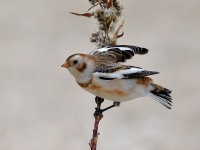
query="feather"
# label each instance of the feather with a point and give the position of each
(142, 73)
(110, 59)
(120, 53)
(123, 72)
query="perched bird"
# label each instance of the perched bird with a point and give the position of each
(103, 74)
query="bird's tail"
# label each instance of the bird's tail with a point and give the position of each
(162, 95)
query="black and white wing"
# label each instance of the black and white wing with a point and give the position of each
(119, 53)
(126, 72)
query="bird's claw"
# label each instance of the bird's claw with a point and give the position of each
(116, 104)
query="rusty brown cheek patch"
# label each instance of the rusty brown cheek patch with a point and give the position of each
(144, 81)
(82, 67)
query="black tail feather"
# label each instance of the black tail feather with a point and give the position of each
(163, 97)
(168, 90)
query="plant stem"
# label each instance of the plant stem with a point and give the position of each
(93, 141)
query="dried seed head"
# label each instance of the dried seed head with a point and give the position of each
(106, 16)
(100, 39)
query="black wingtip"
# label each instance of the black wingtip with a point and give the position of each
(151, 72)
(144, 51)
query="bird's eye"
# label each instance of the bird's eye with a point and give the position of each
(75, 62)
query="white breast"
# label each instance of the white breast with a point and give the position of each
(116, 90)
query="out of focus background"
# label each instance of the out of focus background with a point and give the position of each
(42, 107)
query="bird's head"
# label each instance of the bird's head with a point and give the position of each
(81, 66)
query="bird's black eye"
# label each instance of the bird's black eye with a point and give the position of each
(75, 62)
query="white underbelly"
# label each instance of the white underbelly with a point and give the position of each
(116, 90)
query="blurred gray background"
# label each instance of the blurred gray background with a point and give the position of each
(42, 107)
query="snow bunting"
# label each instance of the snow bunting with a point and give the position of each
(103, 74)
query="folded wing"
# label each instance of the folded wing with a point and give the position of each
(126, 72)
(119, 53)
(110, 59)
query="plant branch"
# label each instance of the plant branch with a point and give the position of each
(93, 141)
(107, 15)
(116, 34)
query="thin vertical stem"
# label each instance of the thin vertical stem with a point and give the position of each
(93, 141)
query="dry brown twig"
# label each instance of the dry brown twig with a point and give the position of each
(85, 14)
(116, 34)
(107, 15)
(93, 141)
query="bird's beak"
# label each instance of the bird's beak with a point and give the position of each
(65, 65)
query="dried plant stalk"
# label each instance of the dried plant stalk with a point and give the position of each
(93, 141)
(107, 14)
(116, 34)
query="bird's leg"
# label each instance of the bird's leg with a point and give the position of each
(98, 101)
(100, 111)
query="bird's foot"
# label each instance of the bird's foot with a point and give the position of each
(98, 111)
(117, 104)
